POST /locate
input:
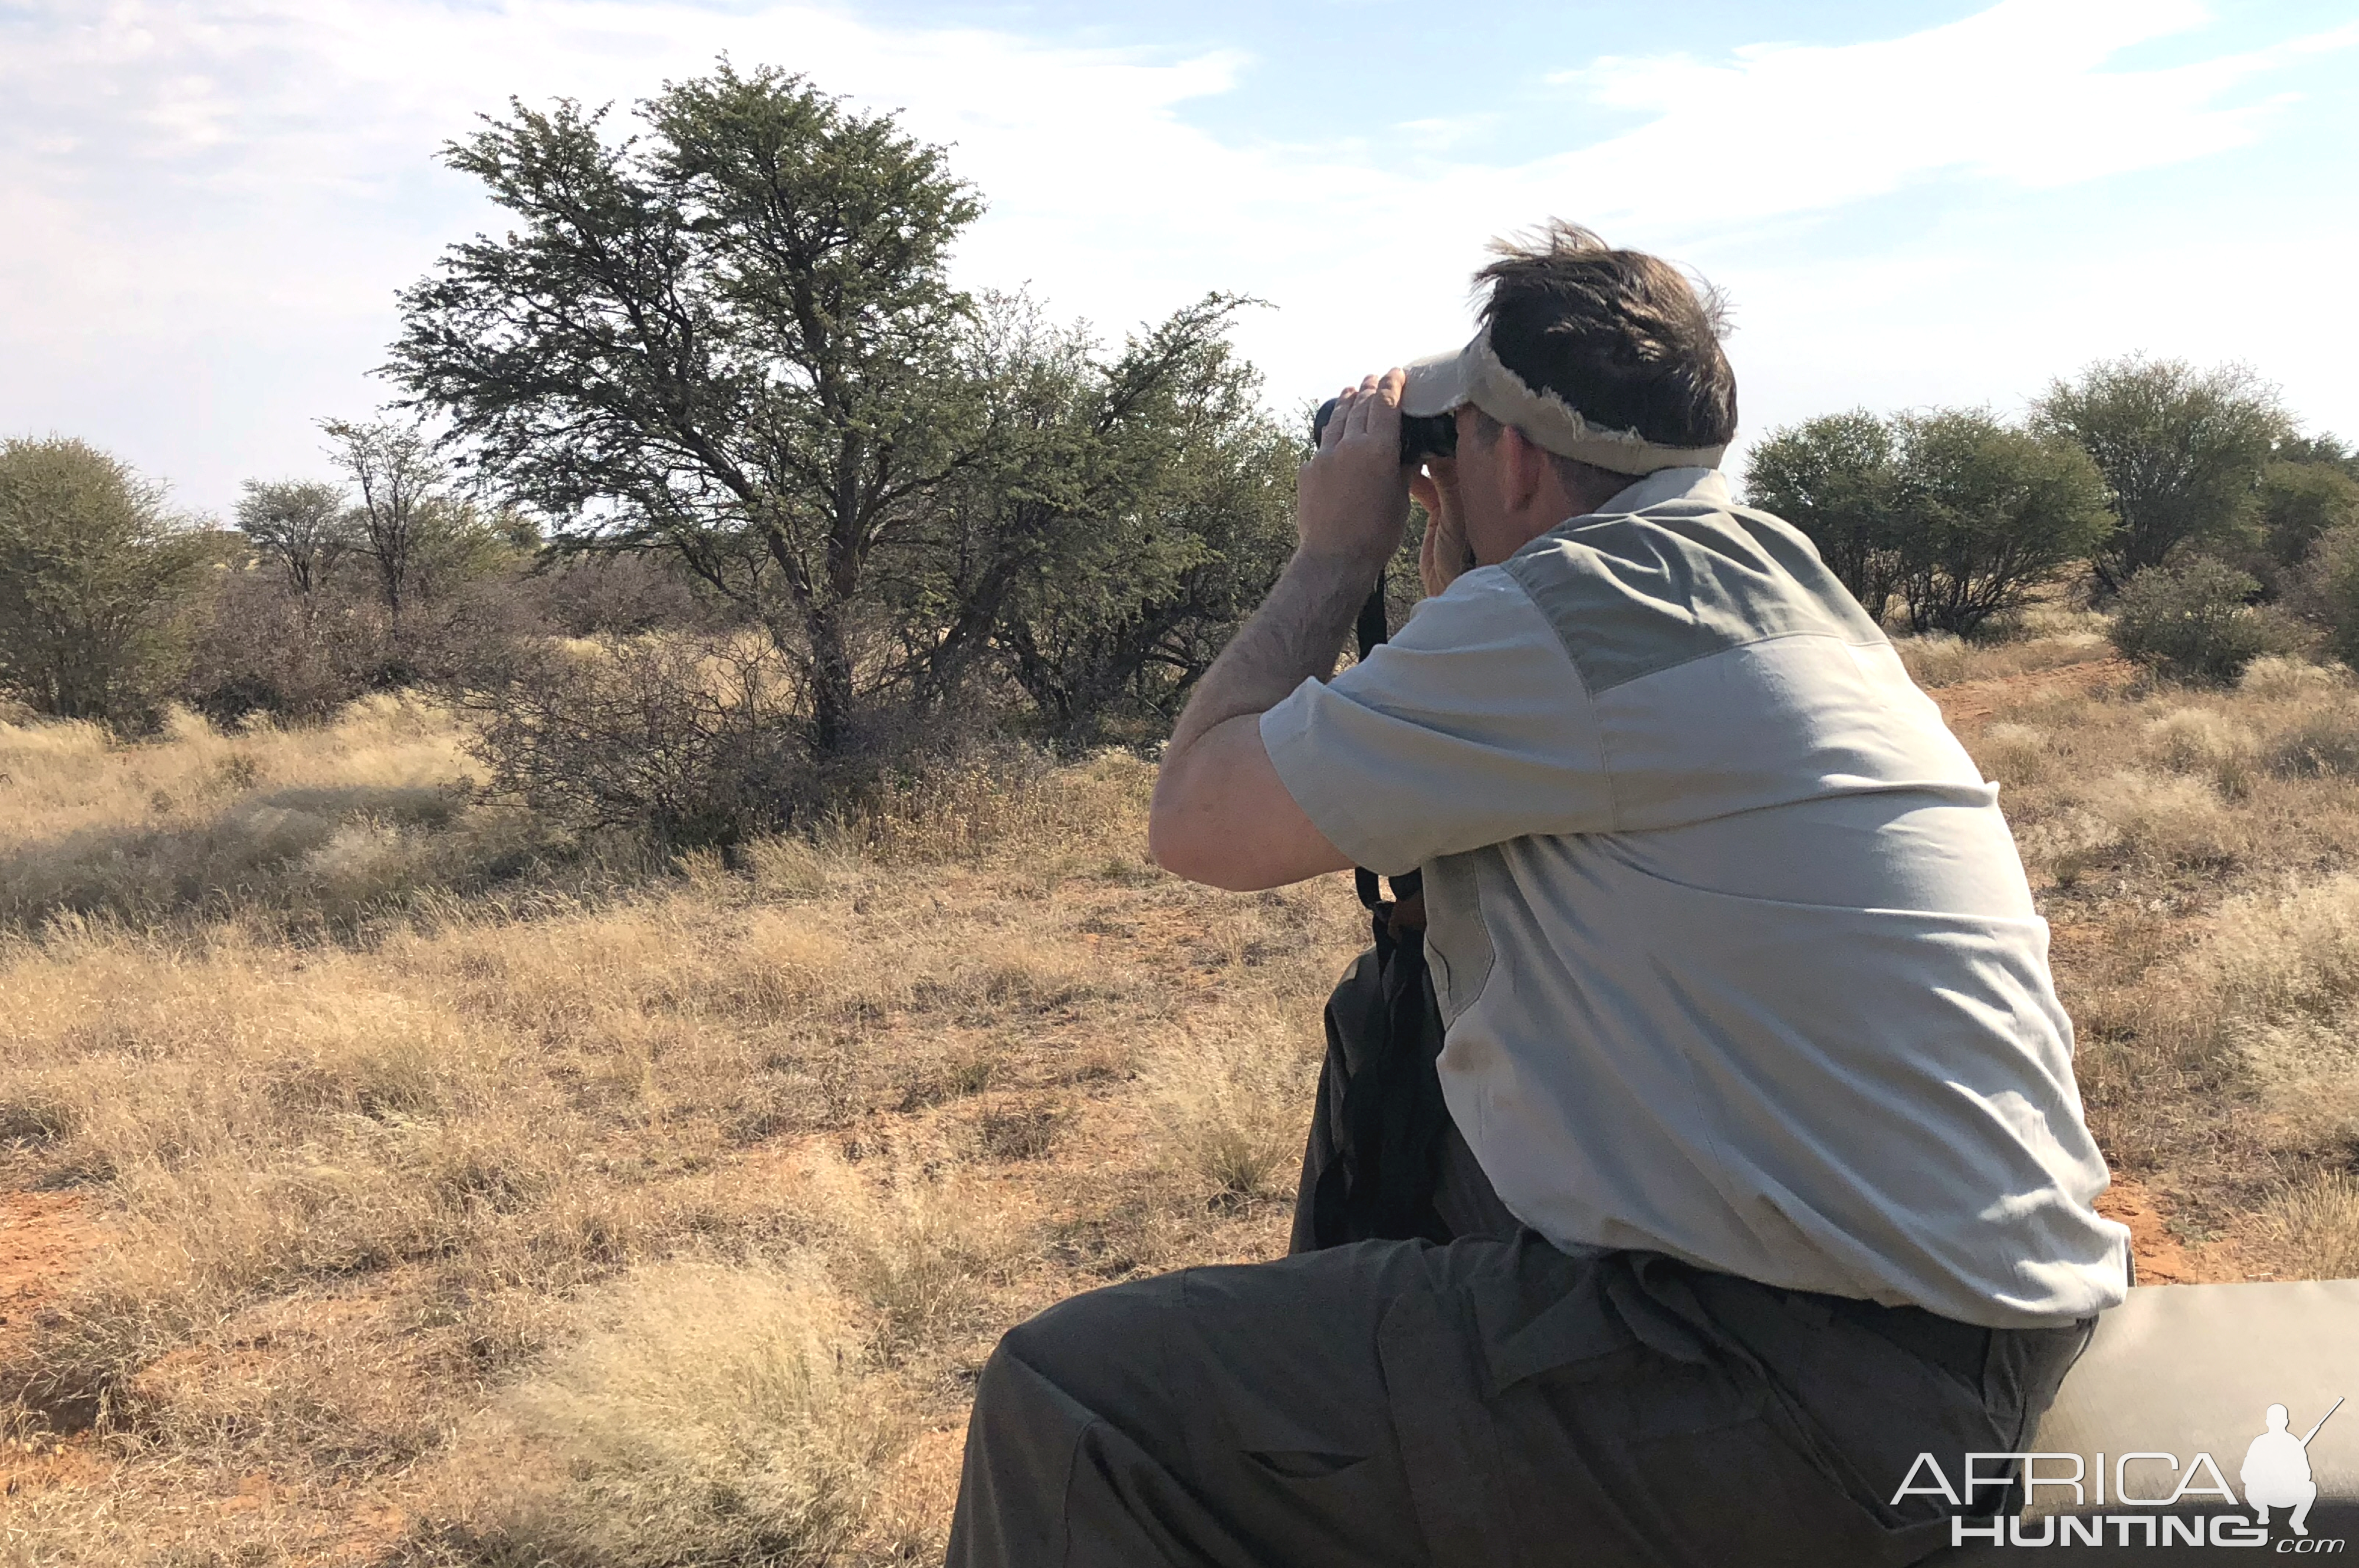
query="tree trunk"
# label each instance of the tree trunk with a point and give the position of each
(831, 668)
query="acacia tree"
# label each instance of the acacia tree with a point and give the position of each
(92, 568)
(1834, 478)
(1111, 649)
(1984, 512)
(303, 525)
(733, 339)
(1122, 514)
(2182, 449)
(394, 465)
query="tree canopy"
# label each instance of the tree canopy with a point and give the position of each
(1835, 478)
(92, 568)
(1951, 511)
(733, 339)
(2301, 502)
(2180, 448)
(1988, 512)
(303, 525)
(1122, 514)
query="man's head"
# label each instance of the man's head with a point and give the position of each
(1594, 367)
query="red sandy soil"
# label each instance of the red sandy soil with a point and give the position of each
(44, 1239)
(1970, 702)
(2162, 1258)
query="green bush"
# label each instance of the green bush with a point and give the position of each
(2327, 591)
(93, 573)
(2196, 622)
(2300, 504)
(1958, 515)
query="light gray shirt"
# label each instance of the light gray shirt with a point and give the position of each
(1734, 951)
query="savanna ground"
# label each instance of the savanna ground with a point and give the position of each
(384, 1179)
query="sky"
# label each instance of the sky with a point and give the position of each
(206, 206)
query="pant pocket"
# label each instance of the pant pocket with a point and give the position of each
(1303, 1464)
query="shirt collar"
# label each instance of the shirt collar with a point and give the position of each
(1709, 485)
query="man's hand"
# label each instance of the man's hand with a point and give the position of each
(1444, 555)
(1351, 499)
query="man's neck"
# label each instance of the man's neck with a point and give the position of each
(1553, 505)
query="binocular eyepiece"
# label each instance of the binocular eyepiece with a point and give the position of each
(1422, 435)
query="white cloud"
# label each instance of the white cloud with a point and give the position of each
(219, 198)
(2018, 93)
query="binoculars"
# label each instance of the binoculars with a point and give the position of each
(1422, 435)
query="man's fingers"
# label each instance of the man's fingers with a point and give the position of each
(1370, 411)
(1352, 497)
(1426, 492)
(1340, 422)
(1444, 556)
(1376, 412)
(1333, 430)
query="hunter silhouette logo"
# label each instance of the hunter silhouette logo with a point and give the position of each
(2276, 1471)
(2276, 1474)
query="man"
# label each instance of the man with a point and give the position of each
(1749, 1024)
(2276, 1473)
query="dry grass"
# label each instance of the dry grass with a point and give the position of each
(2048, 637)
(2290, 958)
(64, 778)
(920, 1248)
(712, 1415)
(2241, 785)
(1229, 1104)
(463, 1196)
(580, 1141)
(2316, 1224)
(296, 829)
(2194, 852)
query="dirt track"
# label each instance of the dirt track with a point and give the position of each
(1971, 701)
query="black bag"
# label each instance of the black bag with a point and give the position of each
(1373, 1169)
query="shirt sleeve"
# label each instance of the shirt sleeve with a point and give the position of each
(1471, 727)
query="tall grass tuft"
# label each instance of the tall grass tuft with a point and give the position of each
(2278, 958)
(918, 1249)
(1232, 1104)
(2316, 1227)
(715, 1415)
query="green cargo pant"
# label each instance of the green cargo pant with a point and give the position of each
(1490, 1403)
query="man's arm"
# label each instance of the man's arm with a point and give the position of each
(1221, 814)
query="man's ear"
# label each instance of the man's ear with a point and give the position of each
(1523, 470)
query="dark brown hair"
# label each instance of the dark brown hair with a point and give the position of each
(1621, 335)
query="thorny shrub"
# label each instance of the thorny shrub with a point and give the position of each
(2197, 622)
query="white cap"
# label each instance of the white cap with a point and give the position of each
(1442, 383)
